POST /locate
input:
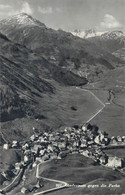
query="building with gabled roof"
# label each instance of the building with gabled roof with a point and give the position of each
(114, 162)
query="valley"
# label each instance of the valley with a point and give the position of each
(52, 80)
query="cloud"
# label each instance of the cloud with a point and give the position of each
(8, 10)
(4, 7)
(47, 10)
(110, 22)
(5, 10)
(58, 9)
(26, 8)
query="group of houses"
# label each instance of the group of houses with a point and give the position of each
(86, 140)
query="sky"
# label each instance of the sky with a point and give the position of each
(101, 15)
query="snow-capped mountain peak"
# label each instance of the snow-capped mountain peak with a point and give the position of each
(22, 19)
(113, 35)
(87, 33)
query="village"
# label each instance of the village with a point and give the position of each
(87, 140)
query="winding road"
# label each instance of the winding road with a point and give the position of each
(61, 186)
(100, 110)
(14, 183)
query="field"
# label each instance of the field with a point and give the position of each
(111, 119)
(73, 106)
(77, 169)
(70, 106)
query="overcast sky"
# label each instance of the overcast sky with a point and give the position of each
(70, 14)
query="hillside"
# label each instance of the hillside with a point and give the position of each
(23, 79)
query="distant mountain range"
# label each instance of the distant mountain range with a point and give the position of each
(110, 41)
(104, 34)
(37, 62)
(87, 33)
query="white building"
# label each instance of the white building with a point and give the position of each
(14, 144)
(97, 139)
(24, 190)
(26, 159)
(6, 146)
(114, 162)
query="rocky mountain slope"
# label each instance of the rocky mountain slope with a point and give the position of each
(23, 78)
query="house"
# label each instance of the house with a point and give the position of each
(42, 152)
(18, 166)
(34, 137)
(41, 139)
(25, 146)
(34, 164)
(52, 139)
(15, 171)
(119, 138)
(97, 139)
(24, 178)
(24, 190)
(106, 141)
(50, 148)
(26, 159)
(4, 174)
(90, 142)
(62, 145)
(102, 137)
(53, 156)
(38, 159)
(123, 138)
(6, 146)
(86, 127)
(45, 157)
(85, 153)
(27, 152)
(37, 186)
(115, 162)
(67, 135)
(113, 140)
(14, 144)
(83, 144)
(103, 160)
(69, 147)
(67, 129)
(36, 149)
(75, 144)
(45, 134)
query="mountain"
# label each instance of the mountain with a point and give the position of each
(87, 33)
(58, 47)
(110, 41)
(21, 19)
